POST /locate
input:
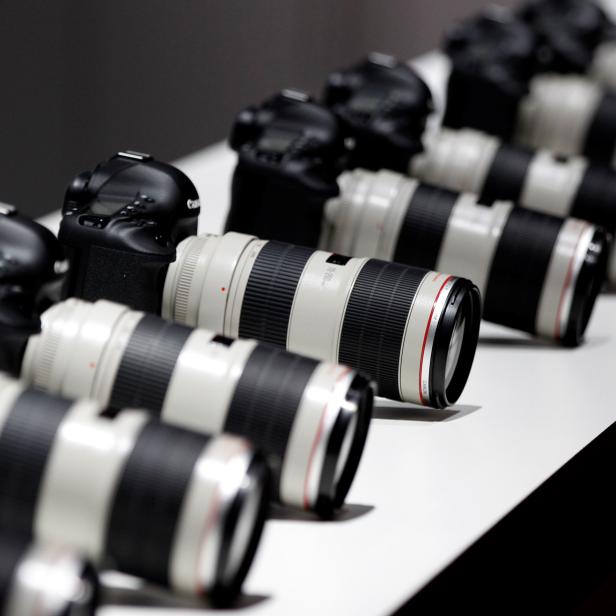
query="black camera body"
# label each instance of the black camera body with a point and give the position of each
(384, 105)
(568, 32)
(495, 54)
(493, 58)
(121, 224)
(289, 157)
(28, 256)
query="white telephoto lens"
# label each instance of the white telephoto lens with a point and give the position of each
(570, 115)
(174, 507)
(456, 159)
(470, 161)
(297, 410)
(39, 579)
(537, 273)
(390, 321)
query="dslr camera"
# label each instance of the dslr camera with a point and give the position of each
(241, 287)
(123, 221)
(462, 160)
(508, 80)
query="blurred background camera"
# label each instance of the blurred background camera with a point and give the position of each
(506, 81)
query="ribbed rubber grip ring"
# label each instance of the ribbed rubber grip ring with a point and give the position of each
(600, 143)
(188, 267)
(25, 443)
(148, 500)
(424, 226)
(595, 200)
(147, 364)
(507, 174)
(375, 322)
(270, 291)
(266, 400)
(519, 268)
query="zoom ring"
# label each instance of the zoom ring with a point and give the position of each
(375, 322)
(147, 364)
(507, 174)
(31, 426)
(519, 269)
(270, 291)
(424, 225)
(596, 196)
(601, 136)
(148, 500)
(266, 400)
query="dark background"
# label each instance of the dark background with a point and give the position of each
(83, 79)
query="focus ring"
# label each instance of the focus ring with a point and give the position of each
(25, 443)
(266, 400)
(148, 500)
(270, 291)
(507, 174)
(148, 363)
(189, 263)
(596, 197)
(601, 136)
(519, 269)
(424, 225)
(375, 322)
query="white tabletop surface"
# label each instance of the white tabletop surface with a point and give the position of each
(430, 482)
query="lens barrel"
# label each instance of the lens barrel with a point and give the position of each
(469, 161)
(538, 273)
(173, 507)
(298, 411)
(44, 580)
(570, 115)
(390, 321)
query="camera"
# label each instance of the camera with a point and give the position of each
(176, 508)
(407, 354)
(316, 143)
(498, 85)
(28, 257)
(130, 211)
(463, 160)
(539, 273)
(383, 107)
(310, 418)
(44, 579)
(574, 36)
